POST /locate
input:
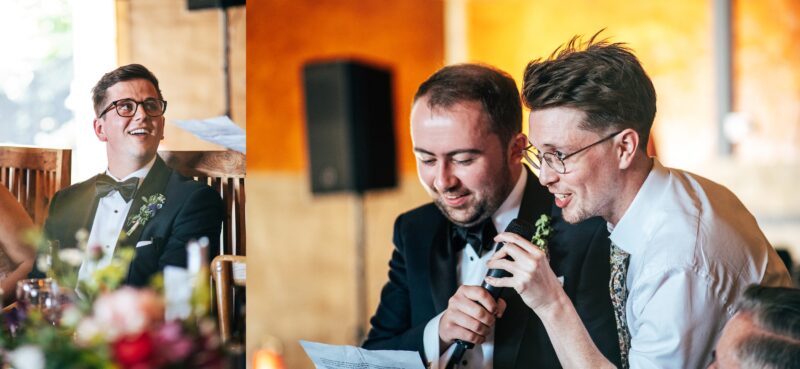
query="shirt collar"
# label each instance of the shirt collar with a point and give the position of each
(627, 234)
(510, 207)
(140, 173)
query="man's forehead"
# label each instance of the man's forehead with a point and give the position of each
(138, 85)
(557, 127)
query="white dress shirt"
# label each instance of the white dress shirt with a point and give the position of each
(693, 249)
(471, 270)
(108, 222)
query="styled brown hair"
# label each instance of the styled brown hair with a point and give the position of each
(602, 79)
(123, 73)
(494, 89)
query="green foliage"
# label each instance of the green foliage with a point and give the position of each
(543, 233)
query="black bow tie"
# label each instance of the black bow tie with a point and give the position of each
(106, 184)
(480, 236)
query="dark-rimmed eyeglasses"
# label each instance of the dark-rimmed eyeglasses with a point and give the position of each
(127, 107)
(555, 159)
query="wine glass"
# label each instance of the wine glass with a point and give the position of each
(42, 294)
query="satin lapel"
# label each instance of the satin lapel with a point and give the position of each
(509, 330)
(536, 200)
(87, 214)
(154, 183)
(442, 266)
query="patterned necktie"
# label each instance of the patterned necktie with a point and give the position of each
(105, 185)
(479, 236)
(619, 295)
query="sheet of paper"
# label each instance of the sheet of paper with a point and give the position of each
(219, 130)
(350, 357)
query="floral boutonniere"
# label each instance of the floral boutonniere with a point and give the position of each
(151, 205)
(543, 232)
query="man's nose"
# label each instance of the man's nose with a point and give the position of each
(547, 175)
(445, 179)
(140, 114)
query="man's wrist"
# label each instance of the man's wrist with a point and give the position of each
(555, 309)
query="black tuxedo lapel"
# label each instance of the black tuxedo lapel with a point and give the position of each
(536, 200)
(154, 183)
(87, 213)
(442, 264)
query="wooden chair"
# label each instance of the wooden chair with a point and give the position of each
(33, 175)
(227, 272)
(225, 172)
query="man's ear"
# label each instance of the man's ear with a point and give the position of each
(516, 146)
(627, 145)
(163, 127)
(99, 130)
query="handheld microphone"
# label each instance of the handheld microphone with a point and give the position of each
(519, 227)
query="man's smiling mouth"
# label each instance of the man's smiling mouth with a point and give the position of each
(139, 132)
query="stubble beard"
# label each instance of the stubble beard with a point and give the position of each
(485, 207)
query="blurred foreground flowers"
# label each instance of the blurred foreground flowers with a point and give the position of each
(110, 326)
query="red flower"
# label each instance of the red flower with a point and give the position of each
(133, 351)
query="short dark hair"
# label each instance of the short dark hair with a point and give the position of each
(776, 310)
(602, 79)
(121, 74)
(494, 89)
(768, 352)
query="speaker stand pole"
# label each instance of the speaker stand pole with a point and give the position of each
(360, 266)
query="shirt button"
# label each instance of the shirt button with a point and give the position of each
(471, 258)
(116, 211)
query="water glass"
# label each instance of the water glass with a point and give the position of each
(42, 294)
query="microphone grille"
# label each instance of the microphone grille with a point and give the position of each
(521, 227)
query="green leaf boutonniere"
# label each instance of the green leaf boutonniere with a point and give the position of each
(543, 232)
(151, 205)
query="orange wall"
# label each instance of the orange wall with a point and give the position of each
(767, 74)
(283, 35)
(672, 39)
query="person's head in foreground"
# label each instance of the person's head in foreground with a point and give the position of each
(764, 333)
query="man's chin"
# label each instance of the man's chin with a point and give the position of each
(573, 217)
(461, 217)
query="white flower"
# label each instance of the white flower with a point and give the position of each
(81, 236)
(71, 316)
(88, 330)
(73, 257)
(27, 357)
(43, 262)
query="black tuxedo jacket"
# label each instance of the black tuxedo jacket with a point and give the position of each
(191, 210)
(422, 278)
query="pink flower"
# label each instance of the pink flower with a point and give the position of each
(174, 345)
(95, 252)
(127, 311)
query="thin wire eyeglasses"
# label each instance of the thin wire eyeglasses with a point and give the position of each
(555, 160)
(127, 107)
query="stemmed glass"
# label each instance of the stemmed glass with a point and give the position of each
(42, 294)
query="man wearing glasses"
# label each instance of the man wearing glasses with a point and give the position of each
(466, 128)
(138, 202)
(682, 247)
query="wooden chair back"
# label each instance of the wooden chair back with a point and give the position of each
(33, 175)
(225, 172)
(227, 272)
